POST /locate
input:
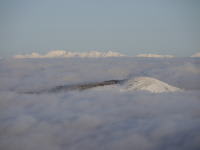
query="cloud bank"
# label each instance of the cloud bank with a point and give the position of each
(99, 118)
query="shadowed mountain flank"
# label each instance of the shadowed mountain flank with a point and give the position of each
(79, 87)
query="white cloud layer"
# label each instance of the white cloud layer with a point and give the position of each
(100, 119)
(65, 54)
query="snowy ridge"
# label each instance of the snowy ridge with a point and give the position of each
(68, 54)
(149, 84)
(196, 55)
(155, 56)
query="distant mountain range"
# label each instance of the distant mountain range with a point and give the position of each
(90, 54)
(65, 54)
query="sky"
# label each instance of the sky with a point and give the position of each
(127, 26)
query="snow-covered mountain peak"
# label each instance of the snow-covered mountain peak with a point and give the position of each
(149, 84)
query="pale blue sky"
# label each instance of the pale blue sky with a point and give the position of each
(126, 26)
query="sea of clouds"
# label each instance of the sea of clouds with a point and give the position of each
(100, 119)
